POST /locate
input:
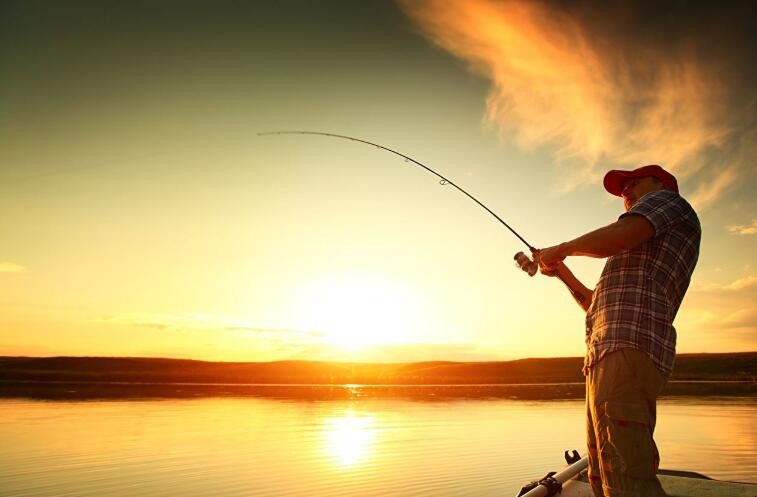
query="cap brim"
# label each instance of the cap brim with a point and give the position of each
(614, 181)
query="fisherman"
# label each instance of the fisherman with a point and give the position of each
(651, 253)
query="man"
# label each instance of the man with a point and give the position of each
(652, 250)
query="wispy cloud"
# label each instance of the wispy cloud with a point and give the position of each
(744, 229)
(155, 325)
(608, 83)
(407, 352)
(745, 283)
(199, 322)
(709, 327)
(708, 192)
(722, 310)
(276, 331)
(743, 318)
(156, 320)
(11, 267)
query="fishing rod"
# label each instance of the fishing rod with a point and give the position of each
(522, 259)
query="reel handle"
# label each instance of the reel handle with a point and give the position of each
(526, 264)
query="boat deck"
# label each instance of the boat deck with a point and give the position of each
(676, 484)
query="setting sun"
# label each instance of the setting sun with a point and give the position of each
(358, 311)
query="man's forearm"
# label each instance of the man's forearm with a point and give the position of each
(624, 234)
(578, 290)
(602, 242)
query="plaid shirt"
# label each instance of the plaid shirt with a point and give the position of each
(640, 290)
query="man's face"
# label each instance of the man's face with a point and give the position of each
(635, 188)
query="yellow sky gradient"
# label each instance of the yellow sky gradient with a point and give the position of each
(143, 216)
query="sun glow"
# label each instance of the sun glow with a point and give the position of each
(354, 312)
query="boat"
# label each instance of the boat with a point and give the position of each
(572, 481)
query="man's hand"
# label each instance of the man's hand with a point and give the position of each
(550, 260)
(551, 256)
(582, 294)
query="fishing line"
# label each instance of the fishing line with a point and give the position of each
(442, 179)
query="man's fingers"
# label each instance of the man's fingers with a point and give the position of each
(547, 270)
(550, 269)
(545, 256)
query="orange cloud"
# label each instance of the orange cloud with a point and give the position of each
(744, 229)
(709, 191)
(723, 310)
(745, 283)
(743, 318)
(592, 83)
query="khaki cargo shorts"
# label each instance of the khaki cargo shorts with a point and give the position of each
(621, 396)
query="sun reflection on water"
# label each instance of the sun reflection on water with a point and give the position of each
(349, 439)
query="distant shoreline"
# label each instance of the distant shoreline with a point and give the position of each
(357, 385)
(101, 390)
(721, 367)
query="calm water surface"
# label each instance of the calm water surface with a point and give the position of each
(363, 447)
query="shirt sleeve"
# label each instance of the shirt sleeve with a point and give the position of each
(662, 208)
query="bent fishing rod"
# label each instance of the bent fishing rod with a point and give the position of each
(523, 261)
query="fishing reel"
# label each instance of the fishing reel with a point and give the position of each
(526, 264)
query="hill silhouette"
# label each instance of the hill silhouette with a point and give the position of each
(691, 367)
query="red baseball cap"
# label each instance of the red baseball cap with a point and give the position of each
(614, 179)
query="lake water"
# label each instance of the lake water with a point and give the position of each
(258, 446)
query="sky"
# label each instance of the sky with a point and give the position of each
(143, 215)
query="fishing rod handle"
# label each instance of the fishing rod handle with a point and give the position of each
(531, 266)
(526, 264)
